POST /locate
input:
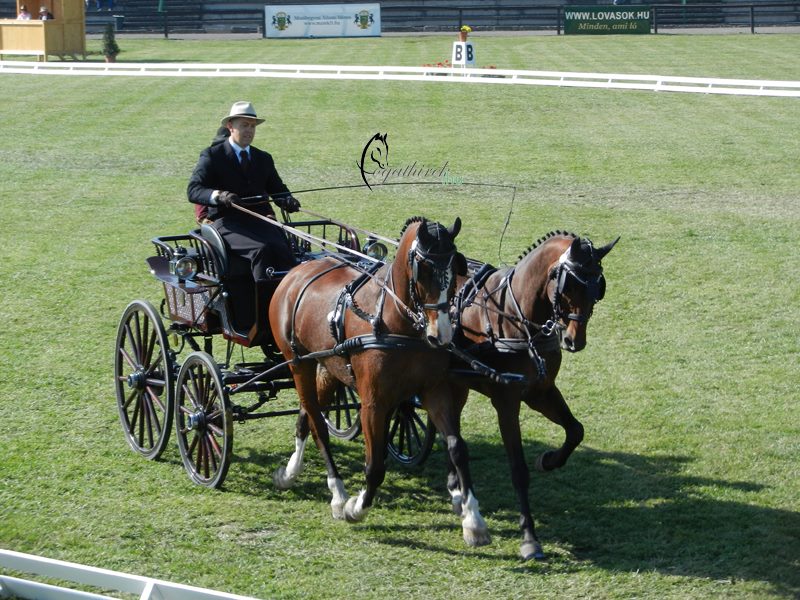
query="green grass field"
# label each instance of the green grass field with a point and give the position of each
(687, 483)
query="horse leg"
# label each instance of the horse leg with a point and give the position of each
(507, 407)
(285, 477)
(309, 389)
(442, 411)
(459, 395)
(335, 483)
(373, 427)
(554, 407)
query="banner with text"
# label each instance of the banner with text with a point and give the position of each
(607, 19)
(322, 20)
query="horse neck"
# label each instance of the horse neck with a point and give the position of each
(394, 316)
(530, 279)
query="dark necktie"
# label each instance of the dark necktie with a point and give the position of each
(244, 157)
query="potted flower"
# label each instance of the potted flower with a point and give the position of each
(110, 47)
(464, 32)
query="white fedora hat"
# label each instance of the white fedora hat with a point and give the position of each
(244, 110)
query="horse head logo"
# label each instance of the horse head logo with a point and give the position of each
(375, 156)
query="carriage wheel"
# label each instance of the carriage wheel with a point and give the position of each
(411, 434)
(342, 416)
(203, 420)
(144, 379)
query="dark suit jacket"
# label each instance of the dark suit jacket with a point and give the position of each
(218, 168)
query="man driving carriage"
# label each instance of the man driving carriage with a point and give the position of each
(235, 172)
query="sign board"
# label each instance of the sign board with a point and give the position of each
(322, 20)
(598, 20)
(463, 54)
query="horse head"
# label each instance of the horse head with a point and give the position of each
(430, 270)
(576, 284)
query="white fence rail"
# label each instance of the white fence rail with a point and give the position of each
(656, 83)
(102, 579)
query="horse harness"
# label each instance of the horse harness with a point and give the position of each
(440, 263)
(536, 338)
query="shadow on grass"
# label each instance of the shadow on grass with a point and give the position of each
(617, 511)
(627, 512)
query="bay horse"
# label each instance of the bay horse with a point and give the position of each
(320, 321)
(518, 320)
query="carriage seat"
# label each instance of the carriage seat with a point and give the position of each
(213, 237)
(235, 272)
(230, 265)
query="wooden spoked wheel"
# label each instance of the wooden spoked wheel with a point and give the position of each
(203, 420)
(342, 415)
(144, 379)
(411, 434)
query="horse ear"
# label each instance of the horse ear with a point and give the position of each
(601, 252)
(453, 231)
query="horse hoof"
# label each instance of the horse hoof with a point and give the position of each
(337, 510)
(539, 465)
(477, 537)
(354, 512)
(281, 480)
(531, 551)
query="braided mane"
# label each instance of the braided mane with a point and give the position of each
(543, 239)
(411, 220)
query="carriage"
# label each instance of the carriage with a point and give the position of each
(166, 373)
(517, 320)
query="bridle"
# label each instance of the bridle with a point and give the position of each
(536, 337)
(590, 277)
(441, 263)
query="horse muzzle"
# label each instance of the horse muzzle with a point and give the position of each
(573, 339)
(439, 330)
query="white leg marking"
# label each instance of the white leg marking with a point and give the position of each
(456, 499)
(284, 477)
(354, 510)
(476, 533)
(336, 486)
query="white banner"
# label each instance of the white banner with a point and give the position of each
(322, 20)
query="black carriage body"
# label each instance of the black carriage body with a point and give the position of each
(219, 298)
(203, 303)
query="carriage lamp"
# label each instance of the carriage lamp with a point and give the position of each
(375, 249)
(182, 265)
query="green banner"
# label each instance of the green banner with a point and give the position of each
(599, 20)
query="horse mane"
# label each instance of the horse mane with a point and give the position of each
(410, 221)
(543, 239)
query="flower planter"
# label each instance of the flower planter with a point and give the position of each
(462, 36)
